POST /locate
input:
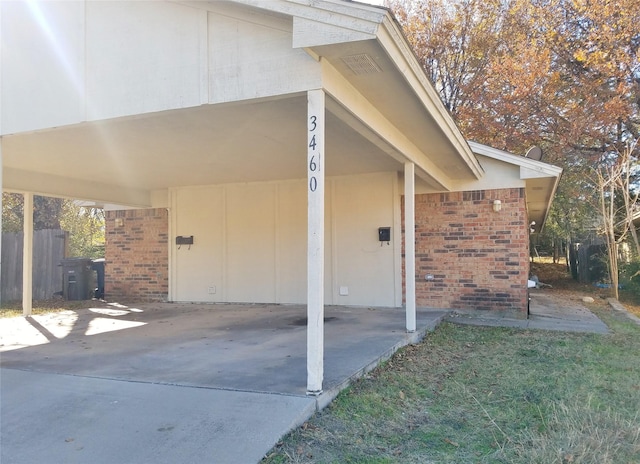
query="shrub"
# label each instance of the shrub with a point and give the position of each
(630, 276)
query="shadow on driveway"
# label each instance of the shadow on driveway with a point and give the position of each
(176, 382)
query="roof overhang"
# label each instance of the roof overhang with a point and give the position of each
(387, 80)
(541, 180)
(377, 120)
(377, 84)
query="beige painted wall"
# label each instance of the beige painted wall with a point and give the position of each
(251, 59)
(71, 62)
(498, 175)
(250, 242)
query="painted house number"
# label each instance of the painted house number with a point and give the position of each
(313, 164)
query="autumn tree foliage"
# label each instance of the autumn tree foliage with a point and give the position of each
(47, 212)
(84, 224)
(560, 74)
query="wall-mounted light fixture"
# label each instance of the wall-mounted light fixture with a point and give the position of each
(532, 227)
(497, 205)
(119, 222)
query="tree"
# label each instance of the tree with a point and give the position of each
(86, 227)
(560, 74)
(84, 224)
(454, 42)
(46, 212)
(612, 177)
(12, 213)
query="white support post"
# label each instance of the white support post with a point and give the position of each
(0, 214)
(27, 255)
(410, 245)
(315, 241)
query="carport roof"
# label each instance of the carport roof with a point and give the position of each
(381, 112)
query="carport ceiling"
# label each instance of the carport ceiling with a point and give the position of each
(210, 144)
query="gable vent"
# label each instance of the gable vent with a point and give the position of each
(361, 64)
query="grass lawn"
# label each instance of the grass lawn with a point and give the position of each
(14, 308)
(488, 395)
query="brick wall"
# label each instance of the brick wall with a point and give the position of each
(137, 255)
(479, 259)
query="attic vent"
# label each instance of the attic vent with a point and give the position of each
(361, 64)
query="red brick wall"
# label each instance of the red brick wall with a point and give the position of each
(137, 255)
(479, 259)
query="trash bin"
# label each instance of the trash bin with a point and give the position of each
(78, 279)
(98, 266)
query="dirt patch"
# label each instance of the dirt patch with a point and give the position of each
(559, 278)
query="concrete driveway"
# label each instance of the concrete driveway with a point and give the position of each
(170, 383)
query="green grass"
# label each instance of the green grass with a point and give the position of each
(487, 395)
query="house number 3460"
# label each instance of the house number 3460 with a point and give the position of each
(313, 162)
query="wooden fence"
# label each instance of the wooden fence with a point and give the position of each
(587, 261)
(49, 248)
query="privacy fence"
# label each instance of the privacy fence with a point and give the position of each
(49, 248)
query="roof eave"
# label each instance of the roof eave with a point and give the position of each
(394, 38)
(529, 170)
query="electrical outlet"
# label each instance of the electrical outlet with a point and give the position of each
(344, 291)
(212, 289)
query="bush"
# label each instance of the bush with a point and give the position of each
(630, 276)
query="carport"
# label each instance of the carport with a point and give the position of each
(131, 101)
(254, 348)
(176, 383)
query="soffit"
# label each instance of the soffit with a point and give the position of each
(392, 81)
(211, 144)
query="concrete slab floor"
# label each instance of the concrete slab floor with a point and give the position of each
(176, 382)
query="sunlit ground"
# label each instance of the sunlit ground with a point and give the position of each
(21, 332)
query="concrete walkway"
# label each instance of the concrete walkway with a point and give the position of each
(617, 306)
(176, 383)
(546, 312)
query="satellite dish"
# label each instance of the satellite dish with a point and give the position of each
(534, 153)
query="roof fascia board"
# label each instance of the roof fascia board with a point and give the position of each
(552, 195)
(17, 180)
(311, 33)
(393, 41)
(529, 169)
(538, 173)
(341, 90)
(347, 15)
